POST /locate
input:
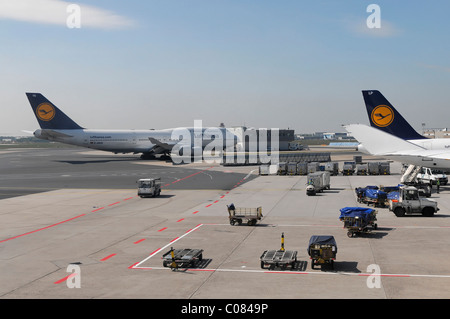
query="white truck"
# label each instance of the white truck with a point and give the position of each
(149, 187)
(409, 202)
(430, 176)
(317, 182)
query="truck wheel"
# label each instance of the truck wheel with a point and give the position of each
(428, 212)
(399, 212)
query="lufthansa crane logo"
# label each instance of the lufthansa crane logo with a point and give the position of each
(45, 112)
(382, 115)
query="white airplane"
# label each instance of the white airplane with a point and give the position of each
(380, 143)
(57, 126)
(383, 116)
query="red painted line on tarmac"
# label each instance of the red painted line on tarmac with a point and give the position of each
(96, 210)
(65, 278)
(107, 257)
(208, 205)
(216, 201)
(128, 198)
(222, 196)
(139, 241)
(114, 204)
(43, 228)
(180, 220)
(132, 266)
(195, 212)
(162, 229)
(174, 239)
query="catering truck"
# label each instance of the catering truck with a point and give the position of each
(317, 182)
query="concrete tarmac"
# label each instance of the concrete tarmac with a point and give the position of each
(90, 236)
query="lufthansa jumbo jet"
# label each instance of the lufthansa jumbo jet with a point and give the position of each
(57, 126)
(383, 116)
(390, 135)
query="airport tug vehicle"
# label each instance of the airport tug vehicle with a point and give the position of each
(279, 258)
(182, 258)
(409, 202)
(322, 250)
(358, 220)
(149, 187)
(239, 214)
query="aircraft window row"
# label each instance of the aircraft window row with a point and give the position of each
(110, 140)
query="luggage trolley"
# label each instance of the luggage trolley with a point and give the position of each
(182, 258)
(358, 220)
(240, 214)
(279, 258)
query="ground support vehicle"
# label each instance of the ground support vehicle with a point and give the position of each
(291, 168)
(362, 169)
(317, 182)
(358, 220)
(385, 168)
(278, 258)
(322, 250)
(431, 176)
(282, 168)
(332, 167)
(348, 168)
(410, 202)
(182, 258)
(371, 195)
(240, 214)
(149, 187)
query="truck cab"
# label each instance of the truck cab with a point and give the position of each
(149, 187)
(409, 202)
(431, 176)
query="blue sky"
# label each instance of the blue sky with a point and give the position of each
(158, 64)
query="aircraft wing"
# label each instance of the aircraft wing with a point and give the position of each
(377, 142)
(164, 146)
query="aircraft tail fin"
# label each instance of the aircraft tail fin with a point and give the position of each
(48, 115)
(383, 116)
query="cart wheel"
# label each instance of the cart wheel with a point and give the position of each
(332, 264)
(312, 264)
(262, 264)
(239, 221)
(350, 234)
(375, 226)
(232, 222)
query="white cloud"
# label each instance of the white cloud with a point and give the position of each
(56, 12)
(386, 30)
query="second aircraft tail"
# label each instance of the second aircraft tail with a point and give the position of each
(384, 116)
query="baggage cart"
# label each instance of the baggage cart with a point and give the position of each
(322, 250)
(238, 215)
(182, 258)
(358, 220)
(278, 258)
